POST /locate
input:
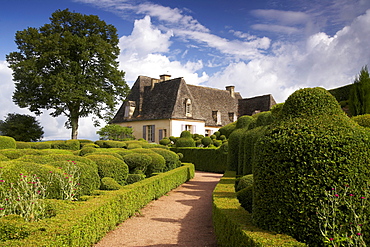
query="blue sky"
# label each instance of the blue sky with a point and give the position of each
(259, 46)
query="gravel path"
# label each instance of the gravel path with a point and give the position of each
(182, 217)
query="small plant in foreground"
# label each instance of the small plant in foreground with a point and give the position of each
(24, 198)
(340, 202)
(69, 182)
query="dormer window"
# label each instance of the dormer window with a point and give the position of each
(232, 117)
(129, 109)
(216, 115)
(188, 108)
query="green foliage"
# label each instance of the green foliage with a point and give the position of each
(84, 223)
(133, 178)
(157, 165)
(276, 111)
(111, 144)
(171, 158)
(227, 129)
(110, 166)
(263, 119)
(165, 141)
(21, 127)
(315, 147)
(245, 197)
(7, 142)
(243, 182)
(13, 227)
(341, 93)
(185, 134)
(233, 225)
(69, 65)
(23, 145)
(69, 144)
(359, 98)
(137, 162)
(362, 120)
(15, 154)
(206, 141)
(108, 183)
(41, 145)
(234, 139)
(205, 159)
(185, 142)
(115, 132)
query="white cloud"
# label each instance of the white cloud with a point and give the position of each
(283, 17)
(275, 28)
(322, 60)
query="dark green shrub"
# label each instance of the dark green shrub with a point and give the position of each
(213, 137)
(173, 139)
(362, 120)
(206, 141)
(171, 158)
(13, 227)
(108, 183)
(263, 118)
(69, 144)
(180, 155)
(224, 147)
(217, 134)
(243, 182)
(276, 111)
(234, 139)
(23, 145)
(133, 178)
(87, 150)
(217, 143)
(40, 145)
(313, 148)
(7, 142)
(245, 197)
(222, 137)
(185, 140)
(185, 134)
(110, 166)
(227, 129)
(157, 165)
(165, 141)
(137, 162)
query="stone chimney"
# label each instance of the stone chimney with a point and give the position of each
(153, 82)
(231, 90)
(164, 77)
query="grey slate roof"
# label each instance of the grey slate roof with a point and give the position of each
(167, 100)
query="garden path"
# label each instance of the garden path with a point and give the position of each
(182, 217)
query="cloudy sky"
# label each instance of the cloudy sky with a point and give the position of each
(259, 46)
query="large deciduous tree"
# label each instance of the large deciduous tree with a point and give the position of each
(21, 127)
(359, 98)
(115, 132)
(69, 66)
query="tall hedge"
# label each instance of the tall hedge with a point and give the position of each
(313, 148)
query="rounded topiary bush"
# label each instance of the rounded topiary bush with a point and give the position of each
(185, 134)
(110, 166)
(206, 141)
(362, 120)
(108, 183)
(244, 182)
(227, 129)
(245, 197)
(185, 140)
(23, 145)
(313, 148)
(7, 142)
(165, 141)
(41, 145)
(157, 165)
(133, 178)
(263, 118)
(137, 162)
(171, 158)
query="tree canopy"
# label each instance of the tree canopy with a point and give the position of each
(69, 66)
(359, 98)
(21, 127)
(115, 132)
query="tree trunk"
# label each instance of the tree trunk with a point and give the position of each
(74, 125)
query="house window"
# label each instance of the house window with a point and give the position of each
(188, 108)
(216, 115)
(208, 132)
(129, 109)
(148, 133)
(162, 134)
(188, 127)
(232, 117)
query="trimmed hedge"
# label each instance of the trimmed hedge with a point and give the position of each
(171, 158)
(362, 120)
(232, 224)
(110, 166)
(80, 224)
(7, 142)
(205, 159)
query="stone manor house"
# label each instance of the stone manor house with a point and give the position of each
(158, 108)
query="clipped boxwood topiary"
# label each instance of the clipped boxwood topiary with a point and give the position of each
(206, 141)
(172, 159)
(23, 145)
(133, 178)
(110, 166)
(245, 197)
(137, 162)
(165, 141)
(7, 142)
(362, 120)
(41, 145)
(108, 183)
(185, 140)
(313, 148)
(243, 182)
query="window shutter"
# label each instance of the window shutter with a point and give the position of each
(194, 129)
(182, 127)
(144, 132)
(160, 135)
(153, 133)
